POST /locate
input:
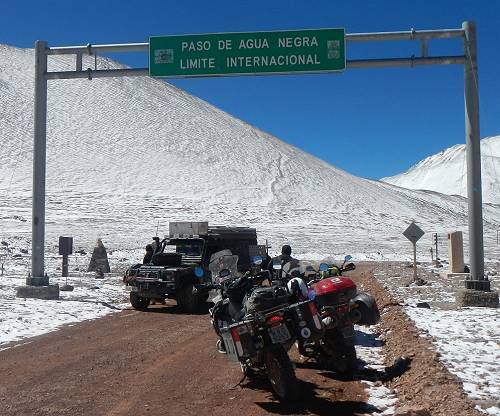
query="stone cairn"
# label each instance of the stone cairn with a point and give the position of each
(99, 262)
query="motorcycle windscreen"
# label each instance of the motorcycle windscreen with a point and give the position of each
(223, 260)
(296, 268)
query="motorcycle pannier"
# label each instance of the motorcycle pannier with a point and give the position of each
(238, 341)
(310, 327)
(265, 298)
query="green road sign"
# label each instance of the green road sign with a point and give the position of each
(248, 53)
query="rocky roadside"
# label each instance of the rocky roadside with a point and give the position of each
(426, 387)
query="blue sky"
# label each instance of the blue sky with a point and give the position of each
(370, 122)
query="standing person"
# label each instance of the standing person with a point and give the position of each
(149, 254)
(285, 257)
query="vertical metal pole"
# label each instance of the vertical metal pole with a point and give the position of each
(477, 279)
(39, 158)
(415, 262)
(436, 243)
(65, 265)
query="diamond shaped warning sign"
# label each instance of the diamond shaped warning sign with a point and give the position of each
(413, 233)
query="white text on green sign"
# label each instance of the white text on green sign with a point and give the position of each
(303, 51)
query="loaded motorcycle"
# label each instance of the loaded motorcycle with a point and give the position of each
(257, 324)
(340, 307)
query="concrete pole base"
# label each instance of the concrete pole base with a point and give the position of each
(470, 297)
(37, 281)
(483, 285)
(49, 292)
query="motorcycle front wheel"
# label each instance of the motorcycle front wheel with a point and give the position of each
(281, 374)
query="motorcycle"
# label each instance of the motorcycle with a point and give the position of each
(257, 325)
(340, 307)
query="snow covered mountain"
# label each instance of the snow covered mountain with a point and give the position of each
(446, 172)
(127, 155)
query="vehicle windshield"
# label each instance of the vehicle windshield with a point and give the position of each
(192, 247)
(223, 260)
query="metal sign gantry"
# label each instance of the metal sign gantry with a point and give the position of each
(477, 278)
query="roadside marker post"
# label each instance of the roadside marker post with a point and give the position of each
(414, 233)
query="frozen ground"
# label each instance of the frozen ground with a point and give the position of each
(90, 299)
(467, 339)
(369, 350)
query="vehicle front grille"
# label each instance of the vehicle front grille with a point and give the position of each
(187, 259)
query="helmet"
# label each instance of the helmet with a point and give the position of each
(297, 286)
(286, 249)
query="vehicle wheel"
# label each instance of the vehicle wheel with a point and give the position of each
(248, 371)
(188, 299)
(337, 356)
(138, 302)
(281, 373)
(347, 362)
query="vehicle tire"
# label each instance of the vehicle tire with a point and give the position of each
(204, 297)
(187, 299)
(215, 311)
(338, 356)
(138, 302)
(281, 374)
(348, 361)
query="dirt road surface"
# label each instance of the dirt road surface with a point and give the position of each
(158, 362)
(162, 362)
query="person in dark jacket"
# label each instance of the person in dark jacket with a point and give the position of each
(149, 254)
(285, 257)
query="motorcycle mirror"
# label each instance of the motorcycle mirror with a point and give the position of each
(323, 267)
(198, 272)
(256, 260)
(347, 258)
(276, 266)
(349, 266)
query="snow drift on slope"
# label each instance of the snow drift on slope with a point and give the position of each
(446, 172)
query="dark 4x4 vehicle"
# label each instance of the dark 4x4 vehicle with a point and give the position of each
(179, 266)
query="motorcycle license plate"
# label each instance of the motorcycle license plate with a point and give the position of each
(279, 334)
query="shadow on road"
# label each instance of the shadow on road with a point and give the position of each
(397, 369)
(174, 309)
(312, 402)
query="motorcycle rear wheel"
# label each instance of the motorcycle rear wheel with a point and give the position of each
(337, 355)
(281, 374)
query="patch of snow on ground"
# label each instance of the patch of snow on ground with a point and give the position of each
(369, 350)
(468, 340)
(91, 298)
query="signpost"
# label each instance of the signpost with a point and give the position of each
(414, 233)
(247, 53)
